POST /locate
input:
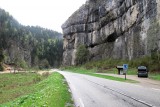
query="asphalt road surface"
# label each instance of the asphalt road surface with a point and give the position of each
(91, 91)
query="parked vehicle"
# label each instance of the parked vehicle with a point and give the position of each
(142, 71)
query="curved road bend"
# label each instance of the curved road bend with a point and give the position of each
(91, 91)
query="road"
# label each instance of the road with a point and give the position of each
(91, 91)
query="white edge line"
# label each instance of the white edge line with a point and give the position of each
(73, 88)
(82, 104)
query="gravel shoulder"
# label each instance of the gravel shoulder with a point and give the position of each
(146, 82)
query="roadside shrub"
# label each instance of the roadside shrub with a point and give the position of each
(1, 60)
(155, 56)
(1, 56)
(104, 64)
(1, 67)
(22, 64)
(44, 64)
(144, 61)
(154, 68)
(37, 79)
(148, 61)
(45, 74)
(82, 55)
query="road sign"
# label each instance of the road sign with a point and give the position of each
(125, 66)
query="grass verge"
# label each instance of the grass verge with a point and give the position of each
(92, 72)
(155, 76)
(109, 65)
(51, 92)
(15, 85)
(130, 71)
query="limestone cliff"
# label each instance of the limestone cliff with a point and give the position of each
(121, 29)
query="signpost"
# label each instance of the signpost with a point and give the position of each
(125, 68)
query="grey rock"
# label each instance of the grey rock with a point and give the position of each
(120, 29)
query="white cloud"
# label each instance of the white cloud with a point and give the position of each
(46, 13)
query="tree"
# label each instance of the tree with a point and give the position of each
(1, 56)
(44, 64)
(21, 63)
(82, 54)
(1, 60)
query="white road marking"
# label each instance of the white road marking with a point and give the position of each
(156, 89)
(73, 88)
(137, 85)
(82, 104)
(141, 101)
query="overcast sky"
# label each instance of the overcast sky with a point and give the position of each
(45, 13)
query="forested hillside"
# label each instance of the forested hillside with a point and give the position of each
(28, 46)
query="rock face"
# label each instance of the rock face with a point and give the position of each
(120, 29)
(15, 50)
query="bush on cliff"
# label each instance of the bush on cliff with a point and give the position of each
(82, 55)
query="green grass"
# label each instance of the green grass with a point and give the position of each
(109, 65)
(130, 71)
(155, 76)
(14, 85)
(92, 72)
(106, 64)
(50, 92)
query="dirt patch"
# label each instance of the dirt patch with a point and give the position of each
(47, 72)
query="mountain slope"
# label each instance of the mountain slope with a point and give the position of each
(27, 45)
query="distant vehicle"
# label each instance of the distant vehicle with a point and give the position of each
(142, 71)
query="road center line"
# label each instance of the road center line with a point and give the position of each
(138, 100)
(137, 85)
(81, 102)
(156, 89)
